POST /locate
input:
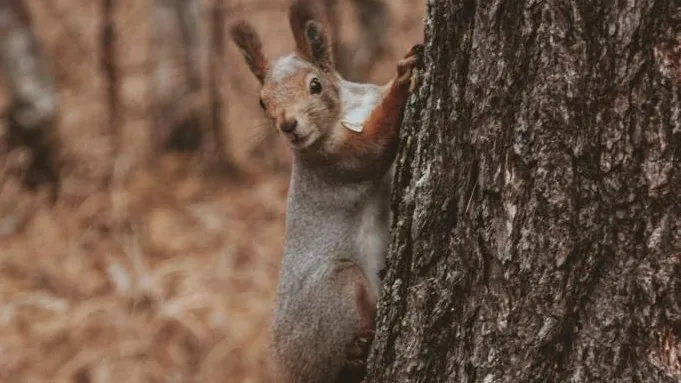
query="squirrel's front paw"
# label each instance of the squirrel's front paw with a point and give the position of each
(410, 61)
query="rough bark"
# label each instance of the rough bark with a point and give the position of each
(32, 111)
(176, 79)
(537, 231)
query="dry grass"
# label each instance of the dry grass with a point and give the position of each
(167, 275)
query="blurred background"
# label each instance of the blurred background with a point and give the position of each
(142, 193)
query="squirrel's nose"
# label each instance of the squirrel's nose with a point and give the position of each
(289, 126)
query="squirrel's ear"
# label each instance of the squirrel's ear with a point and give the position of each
(320, 45)
(312, 41)
(249, 44)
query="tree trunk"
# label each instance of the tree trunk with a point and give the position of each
(373, 42)
(108, 65)
(176, 79)
(216, 147)
(537, 230)
(108, 62)
(32, 111)
(355, 60)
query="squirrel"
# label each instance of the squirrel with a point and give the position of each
(344, 138)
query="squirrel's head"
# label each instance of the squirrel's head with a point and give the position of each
(300, 92)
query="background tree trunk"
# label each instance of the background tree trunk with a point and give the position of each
(32, 112)
(109, 68)
(108, 64)
(178, 121)
(537, 231)
(216, 147)
(373, 42)
(356, 59)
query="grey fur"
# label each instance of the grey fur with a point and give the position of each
(331, 229)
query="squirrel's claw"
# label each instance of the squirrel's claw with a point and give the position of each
(357, 354)
(357, 364)
(358, 351)
(416, 50)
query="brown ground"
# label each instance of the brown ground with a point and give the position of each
(167, 275)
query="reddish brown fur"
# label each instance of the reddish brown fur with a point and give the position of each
(313, 42)
(375, 148)
(357, 351)
(366, 304)
(300, 13)
(361, 156)
(378, 142)
(356, 285)
(249, 43)
(276, 96)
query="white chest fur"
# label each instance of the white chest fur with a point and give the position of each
(358, 101)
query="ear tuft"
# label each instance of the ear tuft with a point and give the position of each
(306, 19)
(250, 45)
(313, 32)
(319, 45)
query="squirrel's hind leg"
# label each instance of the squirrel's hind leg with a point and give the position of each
(357, 351)
(323, 336)
(357, 354)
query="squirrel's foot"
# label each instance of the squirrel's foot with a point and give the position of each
(358, 352)
(405, 67)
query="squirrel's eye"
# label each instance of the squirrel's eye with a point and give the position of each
(315, 86)
(262, 105)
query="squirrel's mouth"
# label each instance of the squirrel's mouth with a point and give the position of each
(298, 140)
